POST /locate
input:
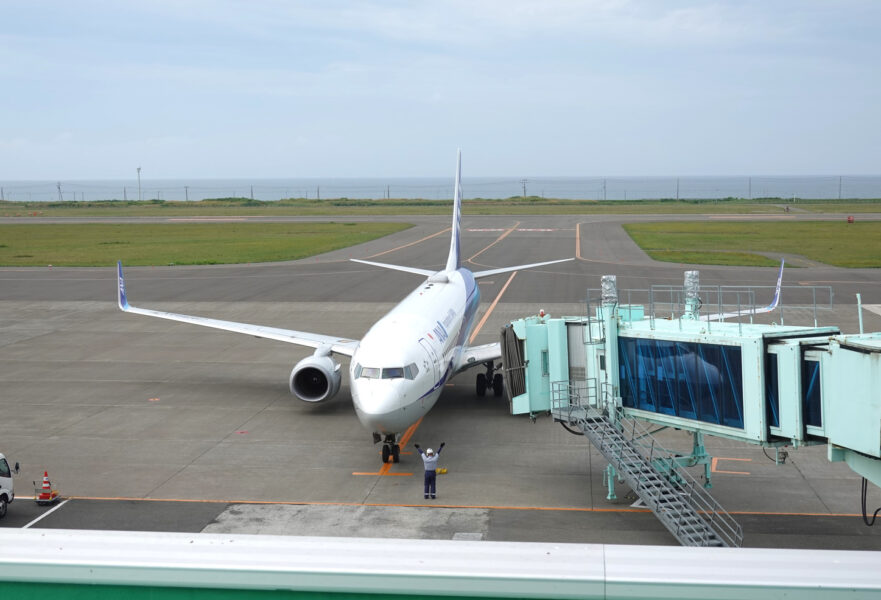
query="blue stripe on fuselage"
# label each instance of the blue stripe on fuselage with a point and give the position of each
(440, 382)
(472, 301)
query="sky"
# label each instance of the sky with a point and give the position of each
(279, 88)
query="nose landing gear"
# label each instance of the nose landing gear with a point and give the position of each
(390, 448)
(490, 379)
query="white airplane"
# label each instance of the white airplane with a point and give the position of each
(398, 370)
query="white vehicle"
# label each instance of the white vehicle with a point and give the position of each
(7, 489)
(398, 370)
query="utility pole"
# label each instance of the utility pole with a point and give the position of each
(60, 198)
(252, 192)
(2, 199)
(604, 190)
(839, 187)
(139, 184)
(388, 192)
(523, 182)
(318, 191)
(750, 188)
(677, 189)
(124, 196)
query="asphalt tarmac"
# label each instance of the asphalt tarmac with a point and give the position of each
(146, 424)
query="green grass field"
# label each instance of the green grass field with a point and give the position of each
(98, 244)
(343, 206)
(741, 243)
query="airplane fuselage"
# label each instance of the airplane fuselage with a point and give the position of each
(401, 365)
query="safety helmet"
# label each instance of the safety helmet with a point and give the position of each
(429, 452)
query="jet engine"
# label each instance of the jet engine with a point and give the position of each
(316, 378)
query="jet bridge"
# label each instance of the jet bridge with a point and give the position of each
(661, 358)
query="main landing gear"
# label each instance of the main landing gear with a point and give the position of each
(390, 448)
(490, 379)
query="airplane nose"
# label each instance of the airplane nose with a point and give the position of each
(378, 408)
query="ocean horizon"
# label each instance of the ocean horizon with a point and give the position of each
(441, 188)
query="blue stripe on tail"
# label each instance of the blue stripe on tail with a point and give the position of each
(453, 260)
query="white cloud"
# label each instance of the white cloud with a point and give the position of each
(545, 87)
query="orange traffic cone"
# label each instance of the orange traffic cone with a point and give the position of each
(47, 495)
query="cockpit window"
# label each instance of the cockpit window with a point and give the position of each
(370, 372)
(393, 372)
(408, 372)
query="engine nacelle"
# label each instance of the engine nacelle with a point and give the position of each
(315, 378)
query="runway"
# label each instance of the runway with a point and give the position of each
(153, 425)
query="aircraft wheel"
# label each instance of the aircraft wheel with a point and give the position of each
(481, 384)
(498, 384)
(396, 453)
(386, 452)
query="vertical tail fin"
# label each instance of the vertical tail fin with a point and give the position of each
(453, 260)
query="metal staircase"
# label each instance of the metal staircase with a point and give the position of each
(668, 490)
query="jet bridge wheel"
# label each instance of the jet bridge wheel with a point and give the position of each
(498, 384)
(481, 384)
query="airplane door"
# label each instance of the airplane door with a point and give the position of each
(431, 359)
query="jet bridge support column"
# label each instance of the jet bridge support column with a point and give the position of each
(692, 287)
(609, 317)
(698, 456)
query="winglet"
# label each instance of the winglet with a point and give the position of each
(453, 260)
(776, 299)
(755, 311)
(120, 284)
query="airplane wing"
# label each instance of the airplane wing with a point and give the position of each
(473, 356)
(301, 338)
(752, 311)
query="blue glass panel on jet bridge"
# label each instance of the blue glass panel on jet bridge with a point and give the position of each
(772, 391)
(810, 387)
(703, 382)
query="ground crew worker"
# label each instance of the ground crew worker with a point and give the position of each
(429, 459)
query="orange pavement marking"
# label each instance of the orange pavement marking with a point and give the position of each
(498, 239)
(490, 309)
(384, 469)
(716, 460)
(484, 506)
(410, 244)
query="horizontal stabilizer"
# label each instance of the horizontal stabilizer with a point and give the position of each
(426, 272)
(487, 273)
